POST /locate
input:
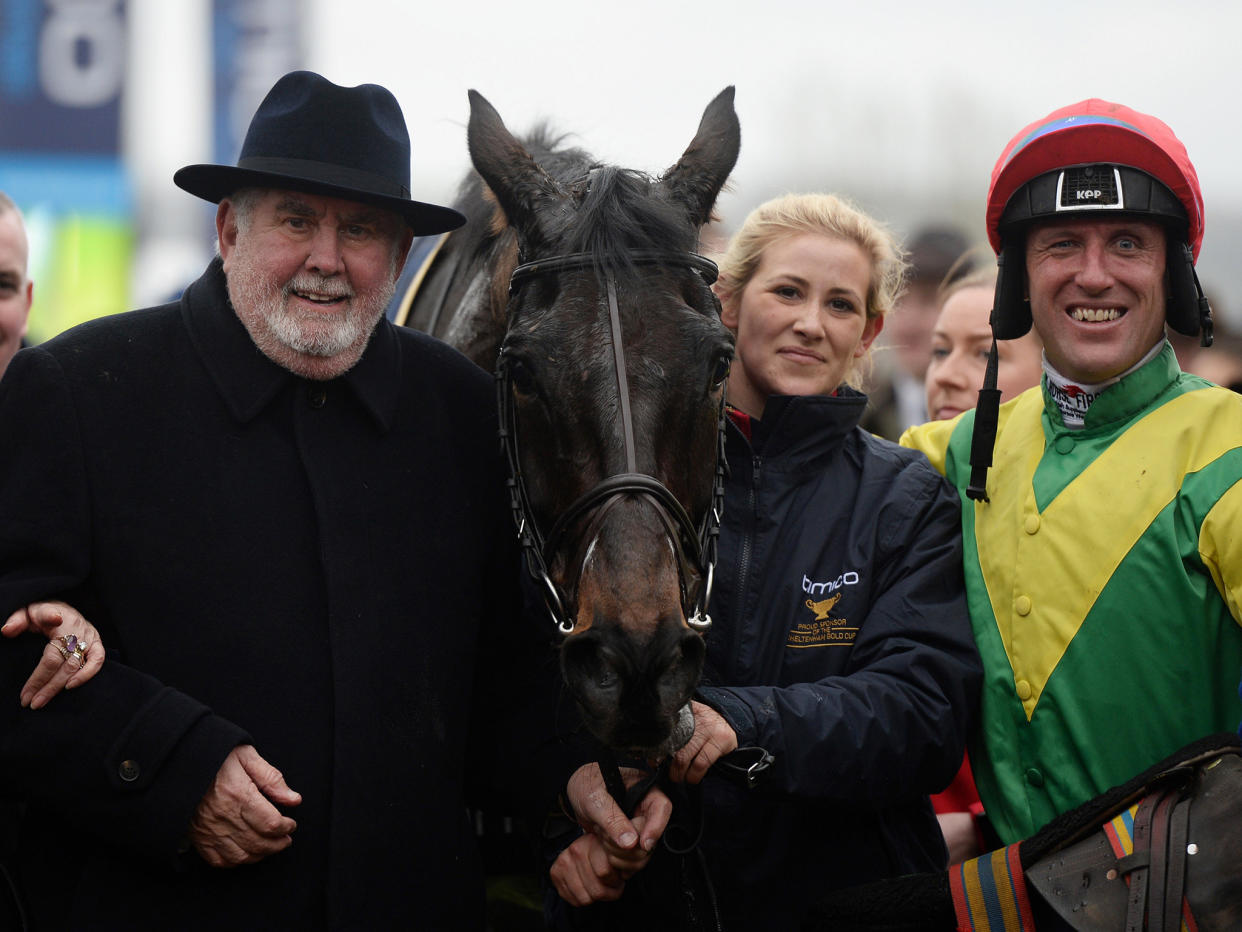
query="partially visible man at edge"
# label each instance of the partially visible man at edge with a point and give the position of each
(286, 517)
(16, 288)
(1103, 559)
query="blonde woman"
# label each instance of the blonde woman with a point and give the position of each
(840, 646)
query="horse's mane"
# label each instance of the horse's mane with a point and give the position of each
(617, 211)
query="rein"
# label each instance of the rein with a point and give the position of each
(695, 548)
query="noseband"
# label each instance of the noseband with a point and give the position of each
(695, 548)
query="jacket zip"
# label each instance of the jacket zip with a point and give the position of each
(744, 554)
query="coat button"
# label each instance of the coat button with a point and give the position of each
(317, 395)
(1022, 605)
(1024, 690)
(1065, 444)
(1031, 524)
(1034, 777)
(129, 770)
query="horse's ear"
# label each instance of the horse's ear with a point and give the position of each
(521, 187)
(703, 168)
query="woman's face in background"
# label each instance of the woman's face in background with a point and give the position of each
(960, 343)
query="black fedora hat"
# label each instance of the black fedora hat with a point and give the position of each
(312, 135)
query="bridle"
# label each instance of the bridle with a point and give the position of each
(695, 548)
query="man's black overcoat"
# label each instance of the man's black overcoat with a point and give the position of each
(320, 569)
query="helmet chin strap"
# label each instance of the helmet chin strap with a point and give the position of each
(1205, 312)
(987, 411)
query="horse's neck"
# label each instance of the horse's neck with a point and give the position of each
(456, 300)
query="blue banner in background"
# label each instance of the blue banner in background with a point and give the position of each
(62, 73)
(254, 42)
(62, 77)
(62, 67)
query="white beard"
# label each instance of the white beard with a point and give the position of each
(284, 334)
(308, 332)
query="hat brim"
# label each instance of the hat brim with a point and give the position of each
(216, 182)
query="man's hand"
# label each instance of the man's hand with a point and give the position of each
(614, 848)
(55, 671)
(235, 823)
(713, 738)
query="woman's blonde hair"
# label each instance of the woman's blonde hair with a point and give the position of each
(826, 215)
(983, 277)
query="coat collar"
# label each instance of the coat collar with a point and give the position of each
(804, 428)
(1122, 400)
(249, 381)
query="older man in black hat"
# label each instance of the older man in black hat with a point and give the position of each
(285, 516)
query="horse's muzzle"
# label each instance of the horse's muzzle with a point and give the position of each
(635, 695)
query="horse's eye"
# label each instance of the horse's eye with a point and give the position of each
(606, 679)
(720, 370)
(521, 378)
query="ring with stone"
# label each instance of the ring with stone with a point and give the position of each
(72, 646)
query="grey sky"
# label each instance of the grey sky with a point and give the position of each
(904, 106)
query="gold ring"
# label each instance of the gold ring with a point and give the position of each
(72, 646)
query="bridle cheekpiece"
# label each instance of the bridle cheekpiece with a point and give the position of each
(695, 548)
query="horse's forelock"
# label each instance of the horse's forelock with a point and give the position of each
(622, 211)
(616, 212)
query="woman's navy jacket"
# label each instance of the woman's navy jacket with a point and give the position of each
(842, 646)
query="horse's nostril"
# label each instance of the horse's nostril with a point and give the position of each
(591, 667)
(693, 648)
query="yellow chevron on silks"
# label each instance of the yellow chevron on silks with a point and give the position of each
(1056, 562)
(1220, 548)
(932, 440)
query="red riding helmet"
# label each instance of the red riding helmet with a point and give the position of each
(1096, 157)
(1090, 157)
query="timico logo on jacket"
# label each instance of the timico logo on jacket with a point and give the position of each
(818, 627)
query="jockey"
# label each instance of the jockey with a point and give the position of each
(1102, 559)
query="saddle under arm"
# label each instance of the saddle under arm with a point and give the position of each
(1160, 852)
(1170, 859)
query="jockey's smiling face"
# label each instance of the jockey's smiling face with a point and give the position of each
(1097, 291)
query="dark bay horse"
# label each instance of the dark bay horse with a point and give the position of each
(579, 283)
